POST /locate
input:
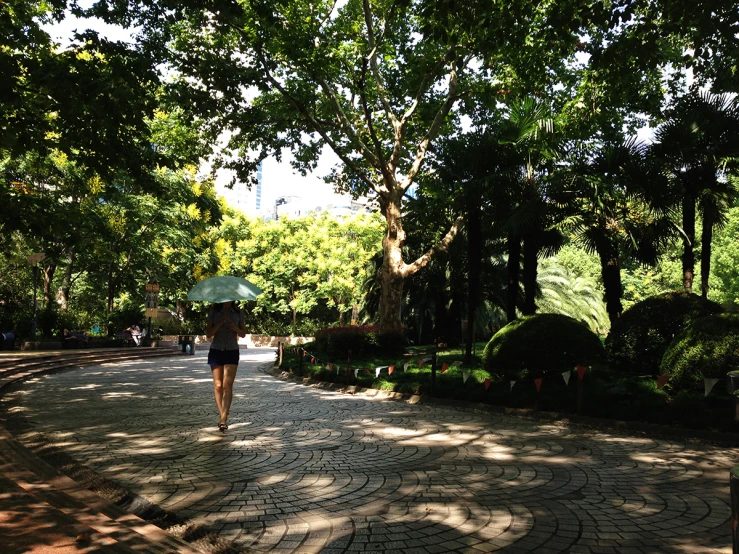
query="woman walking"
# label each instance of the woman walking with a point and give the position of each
(225, 326)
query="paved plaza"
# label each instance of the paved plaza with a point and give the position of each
(303, 469)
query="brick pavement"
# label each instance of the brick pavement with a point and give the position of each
(303, 469)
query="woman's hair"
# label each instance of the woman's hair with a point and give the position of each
(218, 306)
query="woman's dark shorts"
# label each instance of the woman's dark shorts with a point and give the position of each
(217, 358)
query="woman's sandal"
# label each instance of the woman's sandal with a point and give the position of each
(222, 426)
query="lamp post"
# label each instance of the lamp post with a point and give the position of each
(33, 260)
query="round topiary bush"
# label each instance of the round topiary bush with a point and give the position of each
(541, 342)
(640, 337)
(708, 347)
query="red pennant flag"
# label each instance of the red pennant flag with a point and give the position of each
(312, 359)
(330, 367)
(420, 362)
(390, 370)
(487, 384)
(662, 380)
(305, 352)
(444, 367)
(581, 369)
(367, 370)
(537, 382)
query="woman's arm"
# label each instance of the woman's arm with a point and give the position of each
(239, 330)
(212, 328)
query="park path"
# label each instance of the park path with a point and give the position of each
(308, 470)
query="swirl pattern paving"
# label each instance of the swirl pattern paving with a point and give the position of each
(309, 470)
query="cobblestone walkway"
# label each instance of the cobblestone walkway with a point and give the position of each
(307, 470)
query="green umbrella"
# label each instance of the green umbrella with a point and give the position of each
(224, 289)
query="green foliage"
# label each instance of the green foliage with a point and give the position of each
(640, 337)
(539, 343)
(725, 258)
(577, 297)
(708, 347)
(360, 340)
(306, 266)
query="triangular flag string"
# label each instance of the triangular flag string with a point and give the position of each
(465, 376)
(566, 377)
(444, 367)
(581, 369)
(390, 370)
(708, 384)
(538, 382)
(513, 383)
(487, 384)
(356, 371)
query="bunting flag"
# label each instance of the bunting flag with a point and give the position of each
(390, 370)
(487, 384)
(328, 366)
(581, 369)
(457, 363)
(662, 380)
(566, 377)
(405, 366)
(537, 382)
(420, 362)
(444, 367)
(513, 383)
(367, 371)
(356, 371)
(708, 384)
(312, 359)
(377, 372)
(465, 376)
(305, 352)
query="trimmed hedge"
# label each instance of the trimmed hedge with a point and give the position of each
(361, 340)
(708, 347)
(640, 337)
(539, 343)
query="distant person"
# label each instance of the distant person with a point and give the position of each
(135, 332)
(225, 326)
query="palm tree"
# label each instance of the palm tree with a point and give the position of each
(529, 128)
(700, 136)
(610, 191)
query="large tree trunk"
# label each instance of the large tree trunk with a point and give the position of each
(474, 261)
(530, 266)
(66, 285)
(391, 273)
(610, 267)
(706, 239)
(514, 262)
(688, 257)
(49, 271)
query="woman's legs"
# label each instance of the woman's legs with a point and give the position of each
(218, 389)
(229, 374)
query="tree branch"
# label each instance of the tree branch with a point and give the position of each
(362, 147)
(441, 246)
(441, 114)
(318, 127)
(373, 64)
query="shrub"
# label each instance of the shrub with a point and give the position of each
(640, 337)
(361, 340)
(540, 343)
(708, 347)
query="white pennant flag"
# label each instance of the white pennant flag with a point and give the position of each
(328, 367)
(709, 384)
(377, 372)
(356, 370)
(405, 366)
(465, 376)
(512, 383)
(337, 369)
(566, 377)
(457, 363)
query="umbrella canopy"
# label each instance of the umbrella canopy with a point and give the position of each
(224, 289)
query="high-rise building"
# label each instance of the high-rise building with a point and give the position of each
(259, 188)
